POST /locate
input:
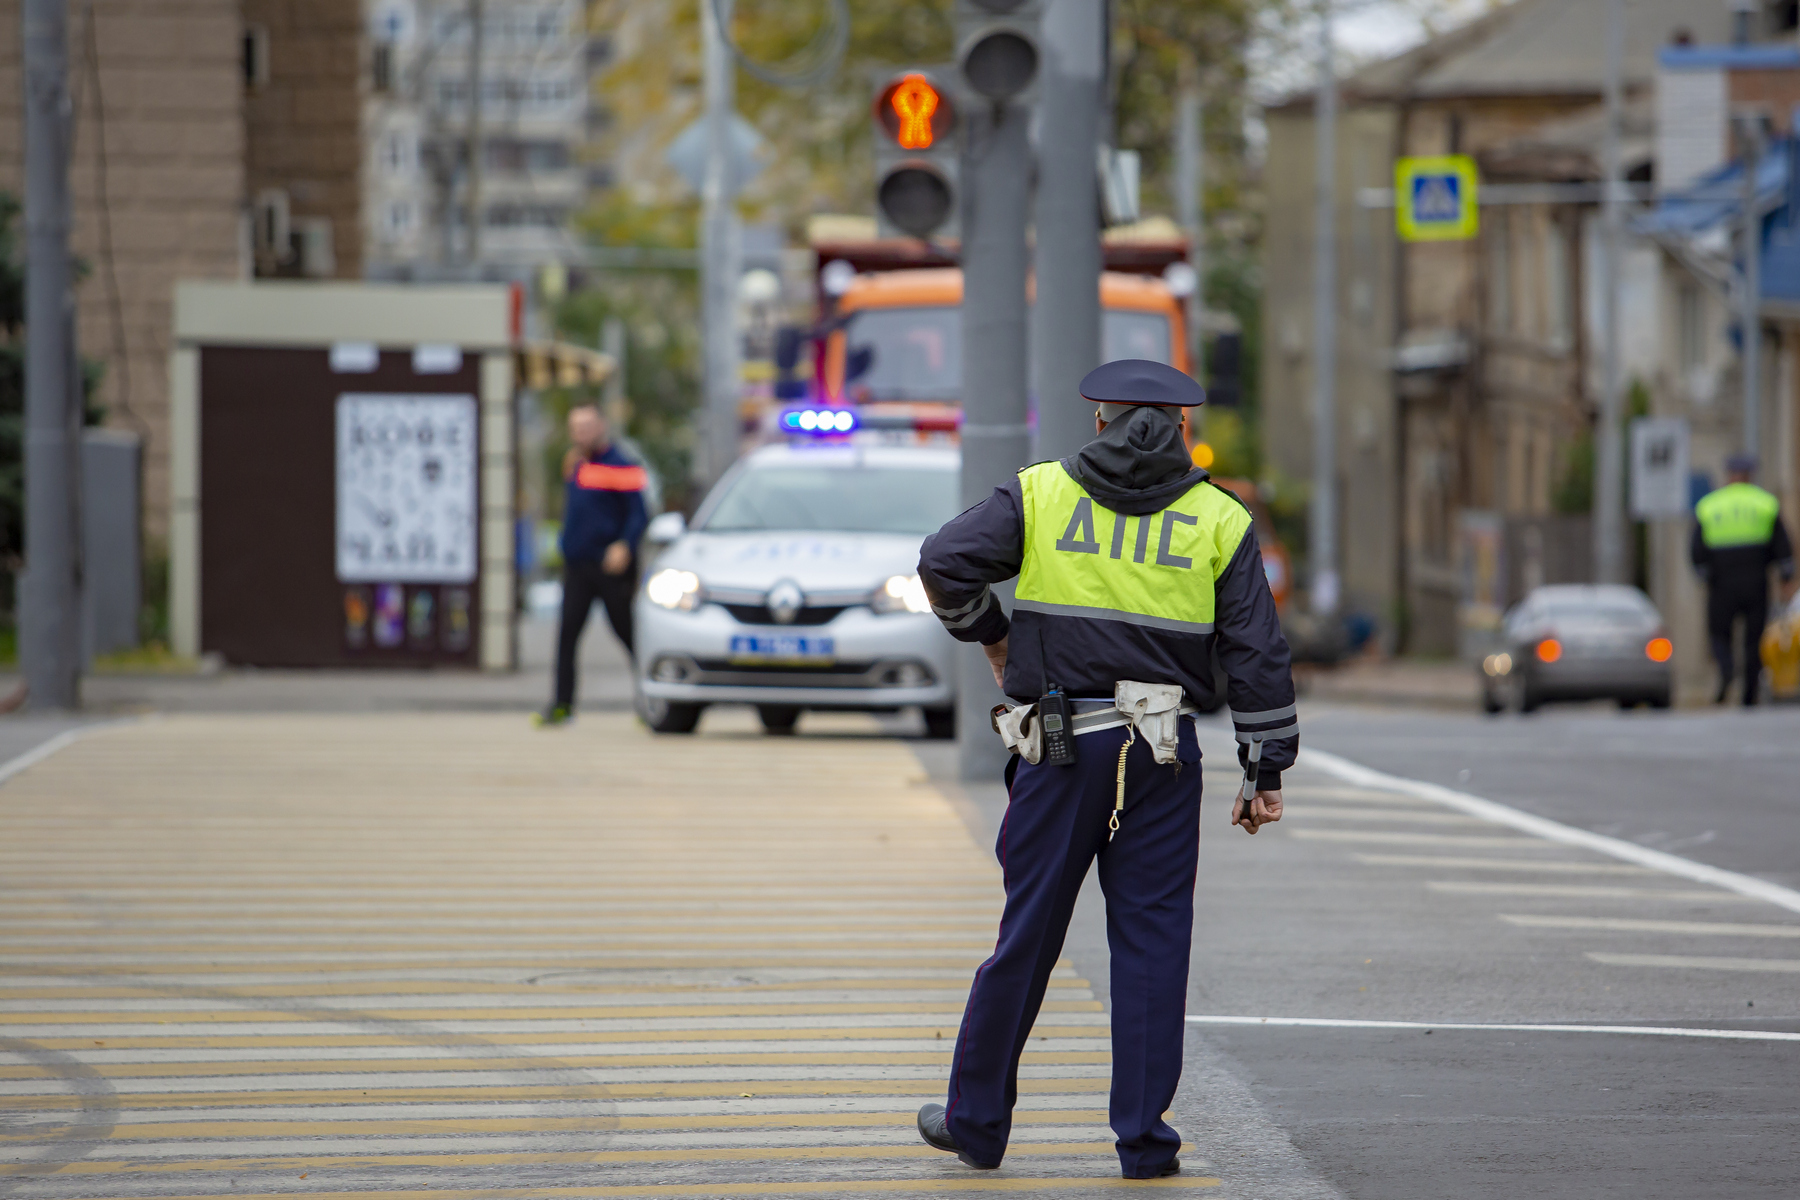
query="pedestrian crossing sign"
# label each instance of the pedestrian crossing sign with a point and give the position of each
(1434, 198)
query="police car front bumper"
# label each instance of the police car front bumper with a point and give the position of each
(876, 662)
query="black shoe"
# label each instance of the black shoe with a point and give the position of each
(1172, 1167)
(934, 1127)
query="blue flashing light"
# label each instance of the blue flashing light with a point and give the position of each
(819, 421)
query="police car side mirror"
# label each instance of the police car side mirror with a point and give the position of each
(665, 528)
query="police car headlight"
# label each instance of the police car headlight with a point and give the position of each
(901, 593)
(671, 588)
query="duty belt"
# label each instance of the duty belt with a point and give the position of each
(1091, 716)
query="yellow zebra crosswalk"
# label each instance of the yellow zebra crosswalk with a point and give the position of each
(451, 957)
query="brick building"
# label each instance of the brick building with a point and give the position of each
(157, 175)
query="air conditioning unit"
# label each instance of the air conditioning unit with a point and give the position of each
(312, 241)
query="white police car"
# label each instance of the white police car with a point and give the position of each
(797, 587)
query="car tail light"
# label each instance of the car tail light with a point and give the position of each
(1659, 649)
(1549, 650)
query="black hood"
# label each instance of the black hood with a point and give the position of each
(1138, 464)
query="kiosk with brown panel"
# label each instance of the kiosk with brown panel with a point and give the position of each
(343, 475)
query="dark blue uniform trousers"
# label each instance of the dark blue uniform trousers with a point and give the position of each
(1056, 824)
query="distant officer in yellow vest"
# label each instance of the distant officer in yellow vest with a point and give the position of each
(1738, 536)
(1133, 569)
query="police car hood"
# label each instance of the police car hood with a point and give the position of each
(817, 562)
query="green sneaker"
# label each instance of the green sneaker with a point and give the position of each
(556, 714)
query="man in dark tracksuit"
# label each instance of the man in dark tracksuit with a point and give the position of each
(603, 518)
(1738, 536)
(1132, 565)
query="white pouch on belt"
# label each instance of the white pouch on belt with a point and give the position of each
(1019, 729)
(1154, 709)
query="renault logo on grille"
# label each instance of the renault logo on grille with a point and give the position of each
(785, 602)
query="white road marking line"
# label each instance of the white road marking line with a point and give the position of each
(1738, 1035)
(1556, 831)
(1416, 839)
(1634, 925)
(38, 754)
(1553, 866)
(1697, 962)
(1391, 816)
(1581, 891)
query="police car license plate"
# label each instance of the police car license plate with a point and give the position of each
(782, 648)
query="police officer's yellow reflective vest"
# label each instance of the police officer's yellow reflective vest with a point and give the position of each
(1738, 514)
(1084, 560)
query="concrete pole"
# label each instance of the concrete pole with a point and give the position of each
(1190, 206)
(1323, 516)
(1065, 333)
(1609, 475)
(1750, 318)
(477, 19)
(996, 442)
(50, 591)
(612, 394)
(719, 252)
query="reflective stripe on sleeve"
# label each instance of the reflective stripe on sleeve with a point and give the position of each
(1268, 735)
(1112, 614)
(950, 614)
(969, 618)
(1273, 714)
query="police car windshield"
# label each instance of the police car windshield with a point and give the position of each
(821, 499)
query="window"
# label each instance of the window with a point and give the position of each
(1126, 334)
(1691, 333)
(256, 56)
(397, 218)
(399, 155)
(844, 499)
(1557, 323)
(381, 67)
(1499, 273)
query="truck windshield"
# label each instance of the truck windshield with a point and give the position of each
(916, 353)
(837, 499)
(1127, 334)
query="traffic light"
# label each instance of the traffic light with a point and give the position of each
(997, 47)
(915, 157)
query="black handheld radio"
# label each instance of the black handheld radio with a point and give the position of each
(1056, 718)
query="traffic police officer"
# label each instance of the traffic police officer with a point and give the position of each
(1738, 536)
(1132, 566)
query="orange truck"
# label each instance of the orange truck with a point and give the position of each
(892, 307)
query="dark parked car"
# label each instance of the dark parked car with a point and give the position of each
(1580, 642)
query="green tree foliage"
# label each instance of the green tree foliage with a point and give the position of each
(12, 398)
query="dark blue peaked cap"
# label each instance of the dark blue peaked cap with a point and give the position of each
(1141, 381)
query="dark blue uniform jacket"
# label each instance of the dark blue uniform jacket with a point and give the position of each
(1133, 470)
(603, 503)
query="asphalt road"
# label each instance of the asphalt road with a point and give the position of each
(1372, 906)
(1364, 905)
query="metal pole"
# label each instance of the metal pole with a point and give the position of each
(1750, 319)
(476, 33)
(1323, 532)
(1190, 205)
(612, 395)
(1609, 482)
(1065, 334)
(719, 267)
(50, 590)
(996, 442)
